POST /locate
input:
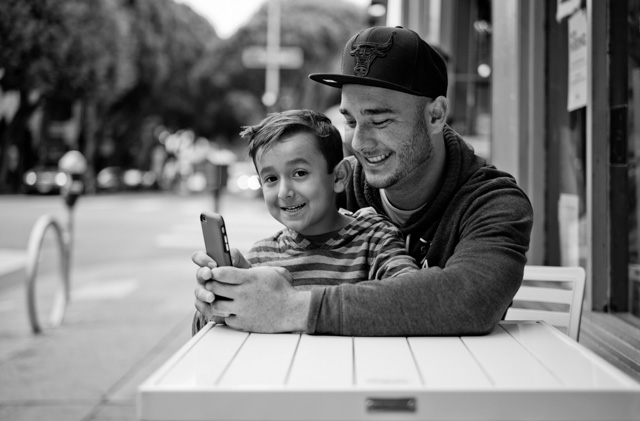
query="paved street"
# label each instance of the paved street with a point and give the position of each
(131, 303)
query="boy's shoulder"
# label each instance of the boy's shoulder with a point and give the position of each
(264, 249)
(369, 215)
(274, 239)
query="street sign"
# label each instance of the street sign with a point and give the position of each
(255, 57)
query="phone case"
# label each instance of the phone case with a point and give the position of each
(216, 242)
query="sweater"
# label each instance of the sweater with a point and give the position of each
(474, 235)
(369, 247)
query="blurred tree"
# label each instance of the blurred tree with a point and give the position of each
(168, 39)
(94, 59)
(135, 64)
(126, 61)
(97, 64)
(64, 50)
(28, 32)
(320, 29)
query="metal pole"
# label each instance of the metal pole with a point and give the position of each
(272, 81)
(69, 244)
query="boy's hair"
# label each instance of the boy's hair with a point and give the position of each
(277, 126)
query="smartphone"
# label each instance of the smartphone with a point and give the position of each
(216, 242)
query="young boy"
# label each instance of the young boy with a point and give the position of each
(299, 159)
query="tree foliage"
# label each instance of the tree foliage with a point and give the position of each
(132, 62)
(168, 39)
(125, 60)
(63, 49)
(58, 50)
(320, 29)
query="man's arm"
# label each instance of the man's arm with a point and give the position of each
(468, 294)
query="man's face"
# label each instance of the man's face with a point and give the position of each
(387, 133)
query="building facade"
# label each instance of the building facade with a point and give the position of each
(549, 90)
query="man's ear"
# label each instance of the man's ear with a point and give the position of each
(436, 114)
(341, 175)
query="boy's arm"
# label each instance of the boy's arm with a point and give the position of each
(386, 251)
(391, 260)
(389, 256)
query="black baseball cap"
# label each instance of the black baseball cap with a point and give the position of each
(392, 58)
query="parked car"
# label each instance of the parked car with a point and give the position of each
(134, 179)
(243, 180)
(117, 179)
(109, 179)
(43, 180)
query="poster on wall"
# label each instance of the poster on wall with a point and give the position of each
(566, 8)
(577, 95)
(569, 222)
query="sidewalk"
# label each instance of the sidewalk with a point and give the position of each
(12, 264)
(90, 367)
(124, 319)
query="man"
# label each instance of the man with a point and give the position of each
(467, 223)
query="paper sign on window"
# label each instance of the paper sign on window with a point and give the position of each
(577, 61)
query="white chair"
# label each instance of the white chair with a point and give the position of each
(553, 294)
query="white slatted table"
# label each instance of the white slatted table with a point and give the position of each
(522, 371)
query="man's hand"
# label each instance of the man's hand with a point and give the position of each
(204, 297)
(260, 299)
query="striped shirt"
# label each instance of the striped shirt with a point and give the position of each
(370, 247)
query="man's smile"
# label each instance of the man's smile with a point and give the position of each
(377, 159)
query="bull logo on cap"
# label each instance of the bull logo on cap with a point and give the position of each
(366, 52)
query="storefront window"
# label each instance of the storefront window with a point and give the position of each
(566, 148)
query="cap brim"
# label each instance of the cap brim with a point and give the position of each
(337, 80)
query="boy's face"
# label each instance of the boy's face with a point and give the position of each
(297, 187)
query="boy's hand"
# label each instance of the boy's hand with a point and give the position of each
(238, 260)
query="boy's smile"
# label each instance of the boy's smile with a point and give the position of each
(292, 209)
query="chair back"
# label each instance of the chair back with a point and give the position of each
(553, 294)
